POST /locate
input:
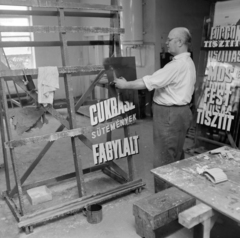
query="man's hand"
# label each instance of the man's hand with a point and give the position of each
(120, 83)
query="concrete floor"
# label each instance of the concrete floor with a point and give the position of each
(118, 220)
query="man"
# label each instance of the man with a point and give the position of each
(174, 87)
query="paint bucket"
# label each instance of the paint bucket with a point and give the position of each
(94, 213)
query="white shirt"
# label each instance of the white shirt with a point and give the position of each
(174, 83)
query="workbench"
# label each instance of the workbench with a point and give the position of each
(223, 198)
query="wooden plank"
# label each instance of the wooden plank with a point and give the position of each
(13, 44)
(16, 13)
(49, 137)
(12, 152)
(3, 139)
(88, 14)
(119, 170)
(94, 69)
(232, 142)
(55, 4)
(71, 110)
(75, 201)
(115, 176)
(75, 205)
(55, 180)
(16, 103)
(195, 215)
(57, 29)
(115, 23)
(13, 207)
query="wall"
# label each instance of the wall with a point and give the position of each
(186, 13)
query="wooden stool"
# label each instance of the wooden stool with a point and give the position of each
(157, 210)
(201, 217)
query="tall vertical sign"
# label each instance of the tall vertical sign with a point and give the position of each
(220, 90)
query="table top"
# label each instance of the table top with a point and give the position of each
(223, 197)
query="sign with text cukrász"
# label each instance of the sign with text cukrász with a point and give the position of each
(220, 89)
(119, 148)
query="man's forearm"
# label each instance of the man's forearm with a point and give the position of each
(137, 84)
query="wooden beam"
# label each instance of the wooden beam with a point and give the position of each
(16, 13)
(4, 44)
(49, 137)
(3, 139)
(77, 204)
(195, 215)
(57, 29)
(55, 180)
(13, 206)
(71, 109)
(232, 142)
(55, 4)
(119, 170)
(115, 176)
(15, 164)
(62, 70)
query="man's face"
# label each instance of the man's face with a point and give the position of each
(171, 43)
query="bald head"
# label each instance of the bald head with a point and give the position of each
(182, 33)
(179, 40)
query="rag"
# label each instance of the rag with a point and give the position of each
(48, 82)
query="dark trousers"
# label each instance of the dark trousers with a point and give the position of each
(170, 125)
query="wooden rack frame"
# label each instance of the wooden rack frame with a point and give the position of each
(61, 10)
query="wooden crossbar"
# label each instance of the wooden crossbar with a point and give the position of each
(94, 69)
(49, 137)
(3, 13)
(11, 44)
(63, 29)
(56, 4)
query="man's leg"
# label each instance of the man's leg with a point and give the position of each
(160, 135)
(170, 126)
(179, 122)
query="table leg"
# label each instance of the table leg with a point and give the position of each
(203, 229)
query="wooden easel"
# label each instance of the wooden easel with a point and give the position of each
(61, 10)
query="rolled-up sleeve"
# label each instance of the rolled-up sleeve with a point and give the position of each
(162, 77)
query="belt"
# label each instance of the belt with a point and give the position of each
(174, 105)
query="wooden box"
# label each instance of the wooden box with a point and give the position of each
(156, 211)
